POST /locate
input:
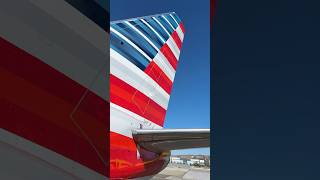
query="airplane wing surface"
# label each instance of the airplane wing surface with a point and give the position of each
(161, 140)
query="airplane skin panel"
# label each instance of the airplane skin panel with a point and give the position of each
(29, 161)
(53, 113)
(54, 90)
(144, 58)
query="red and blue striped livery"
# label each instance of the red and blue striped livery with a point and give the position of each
(144, 55)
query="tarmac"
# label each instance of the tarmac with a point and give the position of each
(178, 172)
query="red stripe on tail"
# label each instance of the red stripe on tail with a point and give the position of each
(169, 55)
(47, 78)
(155, 72)
(182, 27)
(176, 39)
(36, 102)
(133, 100)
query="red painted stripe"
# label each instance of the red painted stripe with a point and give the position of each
(124, 162)
(155, 72)
(130, 98)
(49, 107)
(41, 131)
(169, 55)
(122, 142)
(34, 108)
(176, 39)
(47, 78)
(182, 27)
(123, 157)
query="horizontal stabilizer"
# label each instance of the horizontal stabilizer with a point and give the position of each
(161, 140)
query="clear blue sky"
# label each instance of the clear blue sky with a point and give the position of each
(189, 105)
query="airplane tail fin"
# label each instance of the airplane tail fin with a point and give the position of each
(144, 55)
